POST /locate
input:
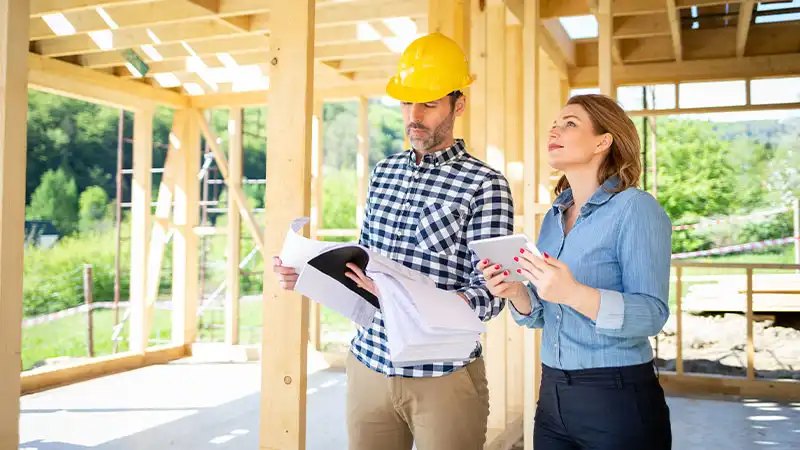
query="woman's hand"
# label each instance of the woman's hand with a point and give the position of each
(552, 278)
(515, 291)
(362, 280)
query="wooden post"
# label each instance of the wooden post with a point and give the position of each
(185, 242)
(605, 48)
(496, 338)
(285, 324)
(452, 18)
(140, 227)
(362, 159)
(679, 321)
(232, 291)
(87, 300)
(477, 98)
(530, 151)
(751, 350)
(317, 164)
(514, 167)
(13, 115)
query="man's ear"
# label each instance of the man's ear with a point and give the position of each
(461, 106)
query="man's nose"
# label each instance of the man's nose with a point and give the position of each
(417, 112)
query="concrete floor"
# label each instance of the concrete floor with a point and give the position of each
(196, 405)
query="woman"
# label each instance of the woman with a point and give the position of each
(600, 290)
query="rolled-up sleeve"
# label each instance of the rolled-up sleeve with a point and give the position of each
(644, 249)
(536, 317)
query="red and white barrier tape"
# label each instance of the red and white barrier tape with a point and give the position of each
(710, 223)
(736, 248)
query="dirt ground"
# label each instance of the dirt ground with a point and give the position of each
(716, 344)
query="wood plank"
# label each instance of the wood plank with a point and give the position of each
(477, 96)
(530, 143)
(45, 378)
(161, 224)
(317, 202)
(774, 390)
(185, 242)
(66, 79)
(285, 318)
(675, 30)
(234, 254)
(13, 152)
(605, 35)
(706, 70)
(140, 227)
(42, 7)
(631, 27)
(496, 335)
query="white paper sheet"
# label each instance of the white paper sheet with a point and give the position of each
(297, 249)
(327, 291)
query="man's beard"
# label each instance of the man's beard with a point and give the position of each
(433, 139)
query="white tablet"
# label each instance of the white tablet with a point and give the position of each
(502, 250)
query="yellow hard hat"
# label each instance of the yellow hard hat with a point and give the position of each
(431, 67)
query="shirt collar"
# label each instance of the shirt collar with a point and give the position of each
(438, 158)
(600, 197)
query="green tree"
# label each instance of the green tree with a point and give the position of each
(56, 199)
(93, 207)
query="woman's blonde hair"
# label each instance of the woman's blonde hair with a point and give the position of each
(622, 159)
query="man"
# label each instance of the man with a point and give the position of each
(424, 206)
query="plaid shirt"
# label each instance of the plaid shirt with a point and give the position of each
(422, 216)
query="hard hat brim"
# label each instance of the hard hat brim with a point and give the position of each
(413, 95)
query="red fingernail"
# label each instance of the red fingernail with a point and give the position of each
(505, 274)
(522, 250)
(496, 267)
(516, 258)
(485, 261)
(519, 270)
(546, 255)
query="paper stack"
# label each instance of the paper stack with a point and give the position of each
(424, 324)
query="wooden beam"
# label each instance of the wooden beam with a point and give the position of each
(362, 159)
(496, 335)
(514, 167)
(285, 318)
(42, 7)
(66, 79)
(716, 109)
(234, 192)
(477, 98)
(743, 27)
(549, 45)
(605, 35)
(675, 30)
(234, 254)
(704, 70)
(185, 242)
(317, 202)
(260, 98)
(565, 8)
(161, 224)
(530, 143)
(630, 27)
(564, 43)
(140, 228)
(636, 7)
(13, 153)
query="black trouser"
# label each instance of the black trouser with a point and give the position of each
(619, 408)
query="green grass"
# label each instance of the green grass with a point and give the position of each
(69, 336)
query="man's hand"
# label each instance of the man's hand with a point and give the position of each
(286, 275)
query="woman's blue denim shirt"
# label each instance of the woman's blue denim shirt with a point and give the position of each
(620, 245)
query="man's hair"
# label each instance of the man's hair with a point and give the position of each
(454, 96)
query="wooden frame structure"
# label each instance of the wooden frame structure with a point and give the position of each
(193, 55)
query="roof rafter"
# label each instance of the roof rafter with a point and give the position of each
(42, 7)
(743, 27)
(675, 30)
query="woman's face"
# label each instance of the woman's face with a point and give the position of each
(572, 141)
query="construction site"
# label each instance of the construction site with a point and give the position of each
(203, 349)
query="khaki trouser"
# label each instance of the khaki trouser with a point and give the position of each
(436, 413)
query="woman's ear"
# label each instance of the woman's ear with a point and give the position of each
(604, 142)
